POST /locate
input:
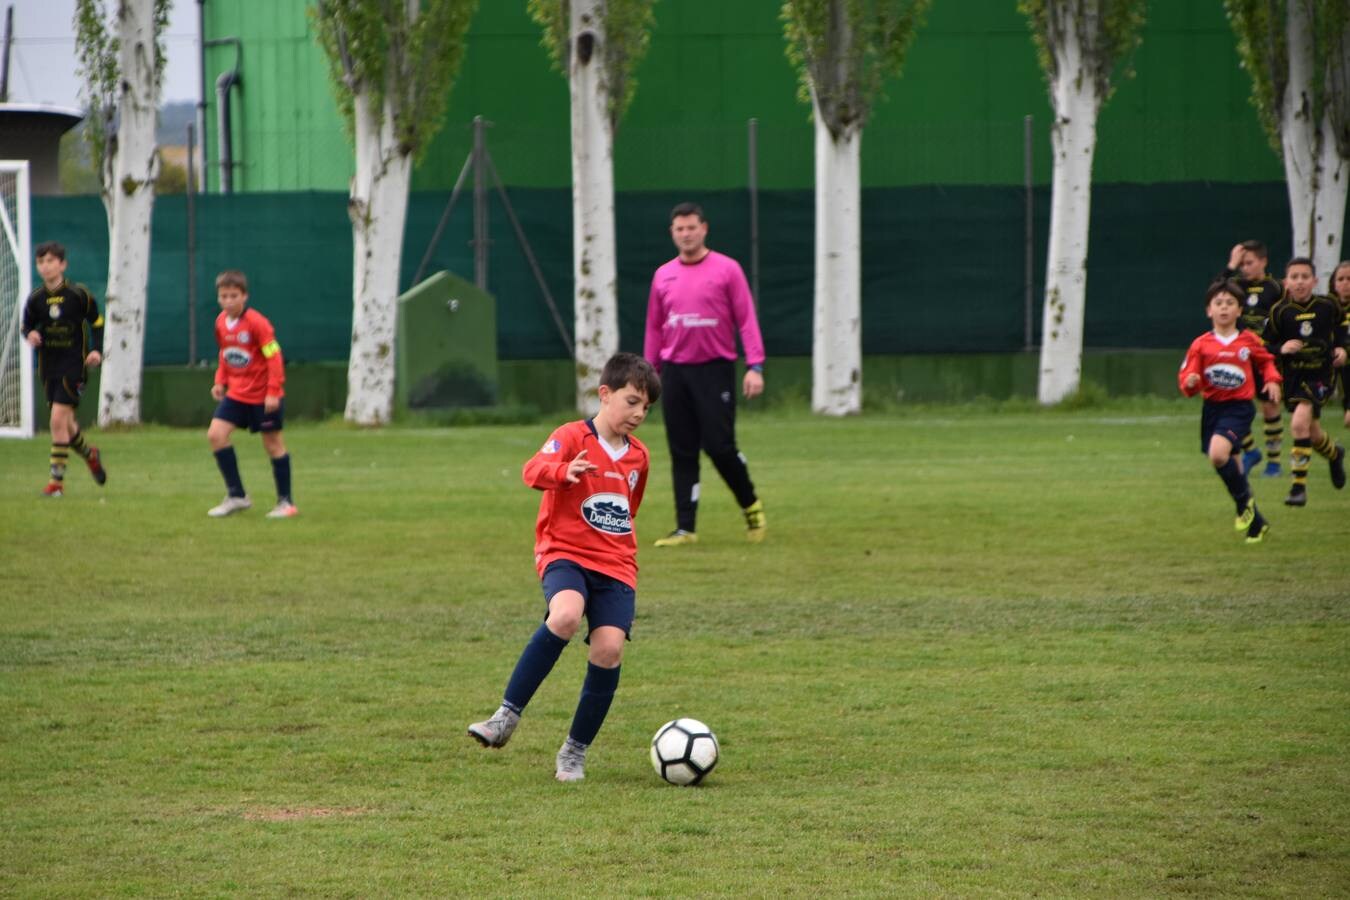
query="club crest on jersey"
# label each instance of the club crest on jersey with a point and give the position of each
(242, 337)
(1225, 375)
(551, 446)
(54, 311)
(1251, 299)
(1305, 328)
(632, 480)
(236, 357)
(1244, 353)
(607, 513)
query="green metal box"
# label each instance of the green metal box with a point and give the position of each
(447, 346)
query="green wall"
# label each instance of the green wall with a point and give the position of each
(955, 117)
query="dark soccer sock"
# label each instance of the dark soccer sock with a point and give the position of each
(59, 457)
(1235, 481)
(1325, 448)
(1274, 438)
(536, 661)
(229, 468)
(1299, 459)
(79, 446)
(281, 474)
(597, 693)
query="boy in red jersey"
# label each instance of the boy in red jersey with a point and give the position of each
(593, 473)
(248, 387)
(1222, 364)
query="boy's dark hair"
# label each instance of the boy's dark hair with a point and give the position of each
(1224, 286)
(50, 248)
(624, 369)
(1256, 248)
(232, 278)
(687, 209)
(1300, 261)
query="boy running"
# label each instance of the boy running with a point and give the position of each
(62, 322)
(593, 474)
(1308, 333)
(1247, 265)
(1222, 366)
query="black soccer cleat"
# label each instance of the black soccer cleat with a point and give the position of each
(1338, 468)
(1298, 496)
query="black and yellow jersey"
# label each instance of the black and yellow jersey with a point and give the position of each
(1262, 295)
(1317, 321)
(60, 316)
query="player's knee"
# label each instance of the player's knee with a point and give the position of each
(218, 435)
(606, 648)
(563, 620)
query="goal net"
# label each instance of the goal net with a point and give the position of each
(16, 359)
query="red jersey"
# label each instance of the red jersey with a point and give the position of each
(251, 366)
(1226, 366)
(591, 522)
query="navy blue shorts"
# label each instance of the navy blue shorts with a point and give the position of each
(1230, 418)
(252, 416)
(608, 600)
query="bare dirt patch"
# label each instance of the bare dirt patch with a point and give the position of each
(293, 813)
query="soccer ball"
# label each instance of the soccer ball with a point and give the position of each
(684, 751)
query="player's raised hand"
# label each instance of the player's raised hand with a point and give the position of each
(579, 466)
(1235, 257)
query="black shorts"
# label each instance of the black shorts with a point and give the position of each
(1231, 419)
(1313, 386)
(65, 390)
(253, 416)
(608, 600)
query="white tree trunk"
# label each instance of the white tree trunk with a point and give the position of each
(1298, 131)
(594, 268)
(130, 200)
(1073, 139)
(836, 345)
(378, 207)
(1328, 220)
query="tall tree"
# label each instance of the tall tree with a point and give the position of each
(1081, 44)
(597, 44)
(844, 50)
(1297, 53)
(392, 64)
(121, 72)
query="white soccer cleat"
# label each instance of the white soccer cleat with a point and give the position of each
(284, 509)
(571, 761)
(229, 506)
(496, 731)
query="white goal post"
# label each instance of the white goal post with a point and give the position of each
(16, 258)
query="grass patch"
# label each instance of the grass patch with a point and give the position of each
(985, 650)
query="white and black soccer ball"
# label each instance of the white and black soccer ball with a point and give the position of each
(684, 751)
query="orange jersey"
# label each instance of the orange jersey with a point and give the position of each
(590, 522)
(251, 365)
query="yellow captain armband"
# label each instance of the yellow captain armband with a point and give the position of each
(270, 349)
(98, 323)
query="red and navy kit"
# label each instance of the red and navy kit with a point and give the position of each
(590, 522)
(1227, 366)
(251, 365)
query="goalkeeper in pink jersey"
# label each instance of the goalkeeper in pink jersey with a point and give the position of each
(699, 305)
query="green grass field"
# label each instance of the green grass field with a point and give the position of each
(983, 652)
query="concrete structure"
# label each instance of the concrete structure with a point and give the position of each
(32, 131)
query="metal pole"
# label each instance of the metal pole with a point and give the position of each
(753, 141)
(480, 209)
(191, 251)
(4, 63)
(445, 218)
(1029, 261)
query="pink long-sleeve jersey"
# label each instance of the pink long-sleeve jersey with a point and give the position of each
(696, 311)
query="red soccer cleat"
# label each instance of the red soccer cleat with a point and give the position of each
(53, 489)
(95, 462)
